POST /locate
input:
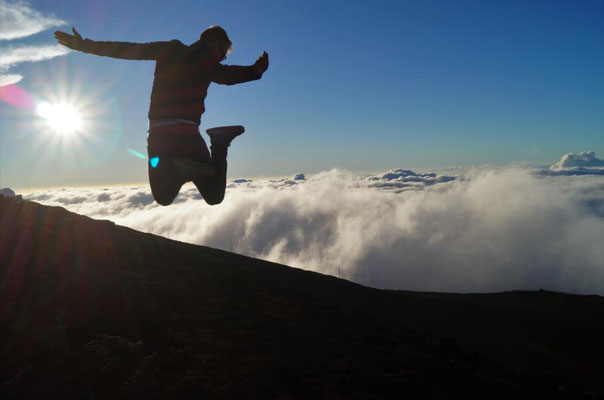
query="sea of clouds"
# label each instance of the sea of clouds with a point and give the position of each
(480, 230)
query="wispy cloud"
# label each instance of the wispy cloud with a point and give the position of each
(16, 55)
(488, 230)
(10, 79)
(19, 20)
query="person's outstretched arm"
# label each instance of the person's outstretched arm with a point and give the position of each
(233, 74)
(123, 50)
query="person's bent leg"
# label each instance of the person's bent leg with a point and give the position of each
(165, 185)
(165, 182)
(213, 188)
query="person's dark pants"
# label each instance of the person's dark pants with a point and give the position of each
(165, 143)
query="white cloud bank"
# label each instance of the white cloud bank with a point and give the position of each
(586, 159)
(19, 20)
(584, 163)
(486, 231)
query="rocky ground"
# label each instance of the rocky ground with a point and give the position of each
(91, 310)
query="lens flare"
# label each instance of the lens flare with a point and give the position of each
(16, 96)
(137, 154)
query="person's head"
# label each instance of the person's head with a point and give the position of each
(216, 39)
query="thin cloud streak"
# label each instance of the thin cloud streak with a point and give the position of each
(10, 79)
(15, 55)
(19, 20)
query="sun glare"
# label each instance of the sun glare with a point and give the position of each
(62, 118)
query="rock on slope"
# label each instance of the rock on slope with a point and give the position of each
(93, 310)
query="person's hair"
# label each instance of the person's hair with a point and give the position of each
(215, 34)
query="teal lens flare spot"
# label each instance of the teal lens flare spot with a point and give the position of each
(137, 154)
(154, 161)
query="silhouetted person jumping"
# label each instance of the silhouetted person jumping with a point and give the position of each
(177, 152)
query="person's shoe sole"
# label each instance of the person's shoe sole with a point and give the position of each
(225, 134)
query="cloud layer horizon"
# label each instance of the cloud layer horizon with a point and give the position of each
(483, 231)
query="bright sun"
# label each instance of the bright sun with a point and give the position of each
(62, 118)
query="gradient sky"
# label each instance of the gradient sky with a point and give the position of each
(365, 86)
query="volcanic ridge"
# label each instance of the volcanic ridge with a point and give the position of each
(92, 310)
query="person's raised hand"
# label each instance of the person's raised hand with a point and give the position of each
(261, 63)
(72, 41)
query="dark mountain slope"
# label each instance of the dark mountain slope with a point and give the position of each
(93, 310)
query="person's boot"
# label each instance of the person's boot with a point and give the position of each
(222, 136)
(220, 140)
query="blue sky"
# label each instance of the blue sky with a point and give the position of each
(365, 86)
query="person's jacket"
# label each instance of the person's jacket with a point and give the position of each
(182, 74)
